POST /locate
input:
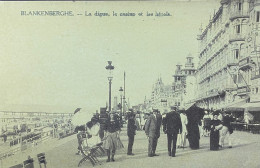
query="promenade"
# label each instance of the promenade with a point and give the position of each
(61, 153)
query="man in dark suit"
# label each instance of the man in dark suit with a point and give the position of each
(152, 130)
(131, 129)
(172, 126)
(158, 128)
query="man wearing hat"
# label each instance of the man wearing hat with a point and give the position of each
(152, 130)
(131, 129)
(159, 123)
(172, 126)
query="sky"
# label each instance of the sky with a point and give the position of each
(57, 63)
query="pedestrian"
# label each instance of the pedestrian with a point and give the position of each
(181, 141)
(227, 129)
(146, 116)
(172, 126)
(93, 128)
(194, 116)
(215, 126)
(112, 140)
(158, 129)
(131, 131)
(80, 136)
(153, 133)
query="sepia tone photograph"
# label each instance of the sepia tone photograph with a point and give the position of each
(126, 84)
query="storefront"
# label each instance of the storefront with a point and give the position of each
(253, 108)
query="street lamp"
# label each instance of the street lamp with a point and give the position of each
(110, 69)
(121, 95)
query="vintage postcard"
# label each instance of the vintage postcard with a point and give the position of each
(130, 84)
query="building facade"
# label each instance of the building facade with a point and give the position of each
(228, 49)
(161, 97)
(180, 85)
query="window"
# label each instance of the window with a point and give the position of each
(256, 90)
(237, 29)
(236, 53)
(239, 6)
(258, 16)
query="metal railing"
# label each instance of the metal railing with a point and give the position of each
(24, 144)
(239, 14)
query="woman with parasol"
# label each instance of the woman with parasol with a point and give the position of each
(79, 120)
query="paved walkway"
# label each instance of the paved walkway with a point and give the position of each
(245, 153)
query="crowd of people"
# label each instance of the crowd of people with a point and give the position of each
(177, 124)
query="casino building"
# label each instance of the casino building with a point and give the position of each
(162, 95)
(182, 88)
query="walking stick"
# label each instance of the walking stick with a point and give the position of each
(182, 142)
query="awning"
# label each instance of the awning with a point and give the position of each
(188, 105)
(252, 106)
(236, 106)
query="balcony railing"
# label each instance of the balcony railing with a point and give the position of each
(237, 37)
(243, 90)
(246, 63)
(239, 14)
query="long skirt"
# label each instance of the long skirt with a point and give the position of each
(214, 140)
(193, 136)
(112, 142)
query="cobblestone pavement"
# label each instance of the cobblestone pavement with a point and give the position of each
(61, 153)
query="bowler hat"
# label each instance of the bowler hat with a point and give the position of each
(173, 108)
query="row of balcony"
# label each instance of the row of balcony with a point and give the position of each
(242, 90)
(237, 37)
(246, 63)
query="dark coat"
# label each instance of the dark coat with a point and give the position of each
(194, 116)
(151, 126)
(131, 127)
(172, 123)
(158, 126)
(112, 126)
(227, 122)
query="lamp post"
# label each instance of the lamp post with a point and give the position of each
(110, 69)
(121, 95)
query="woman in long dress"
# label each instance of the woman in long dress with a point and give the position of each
(93, 128)
(194, 116)
(111, 140)
(215, 126)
